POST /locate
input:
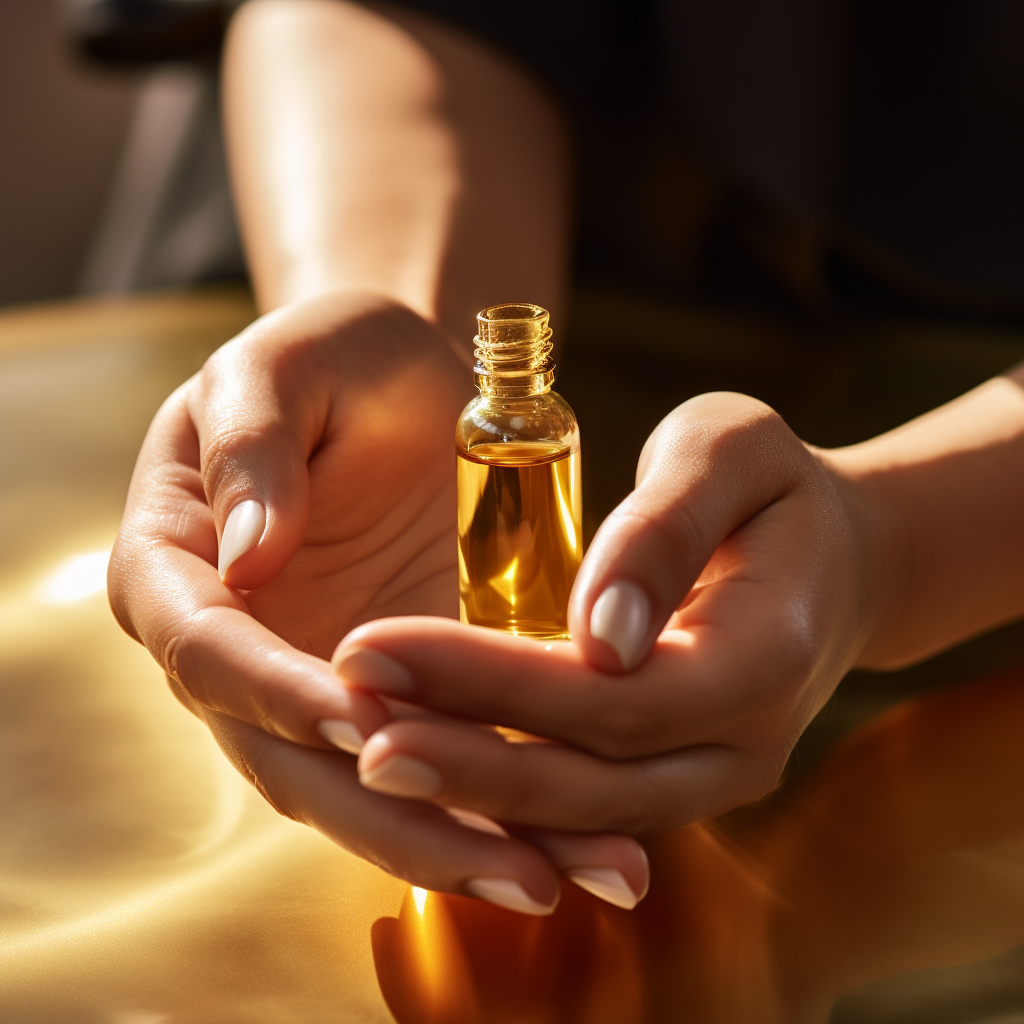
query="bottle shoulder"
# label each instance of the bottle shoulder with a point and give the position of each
(546, 419)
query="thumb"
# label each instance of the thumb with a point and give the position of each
(710, 465)
(257, 484)
(257, 419)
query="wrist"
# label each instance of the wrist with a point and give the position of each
(884, 552)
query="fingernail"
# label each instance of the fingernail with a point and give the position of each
(606, 884)
(400, 775)
(375, 671)
(620, 618)
(243, 528)
(471, 819)
(343, 735)
(508, 894)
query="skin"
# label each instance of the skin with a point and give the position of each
(366, 155)
(369, 184)
(371, 240)
(769, 578)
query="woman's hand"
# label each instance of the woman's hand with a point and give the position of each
(317, 446)
(715, 612)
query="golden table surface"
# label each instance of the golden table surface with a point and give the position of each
(144, 882)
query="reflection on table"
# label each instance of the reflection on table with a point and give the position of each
(144, 882)
(903, 851)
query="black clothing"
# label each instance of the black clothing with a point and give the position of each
(888, 132)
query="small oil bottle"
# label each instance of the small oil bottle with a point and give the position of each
(520, 500)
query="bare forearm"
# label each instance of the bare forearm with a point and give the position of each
(377, 150)
(944, 496)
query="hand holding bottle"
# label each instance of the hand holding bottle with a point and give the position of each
(730, 585)
(318, 447)
(735, 586)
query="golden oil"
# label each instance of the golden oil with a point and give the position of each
(519, 541)
(519, 493)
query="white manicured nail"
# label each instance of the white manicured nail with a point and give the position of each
(400, 775)
(373, 670)
(244, 527)
(471, 819)
(620, 618)
(343, 735)
(504, 892)
(607, 884)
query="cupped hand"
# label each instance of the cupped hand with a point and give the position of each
(301, 483)
(715, 612)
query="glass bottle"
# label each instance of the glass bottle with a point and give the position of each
(519, 494)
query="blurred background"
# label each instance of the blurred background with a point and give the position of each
(112, 172)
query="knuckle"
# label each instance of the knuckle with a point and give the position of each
(177, 653)
(172, 656)
(226, 453)
(726, 428)
(269, 353)
(673, 523)
(762, 441)
(179, 399)
(185, 655)
(720, 418)
(229, 364)
(235, 459)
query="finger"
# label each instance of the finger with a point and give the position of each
(435, 848)
(259, 407)
(229, 662)
(698, 686)
(612, 867)
(551, 786)
(412, 840)
(165, 590)
(709, 466)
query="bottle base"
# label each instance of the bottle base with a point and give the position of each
(530, 631)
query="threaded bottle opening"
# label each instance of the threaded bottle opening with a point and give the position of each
(513, 350)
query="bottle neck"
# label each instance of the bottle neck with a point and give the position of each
(513, 351)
